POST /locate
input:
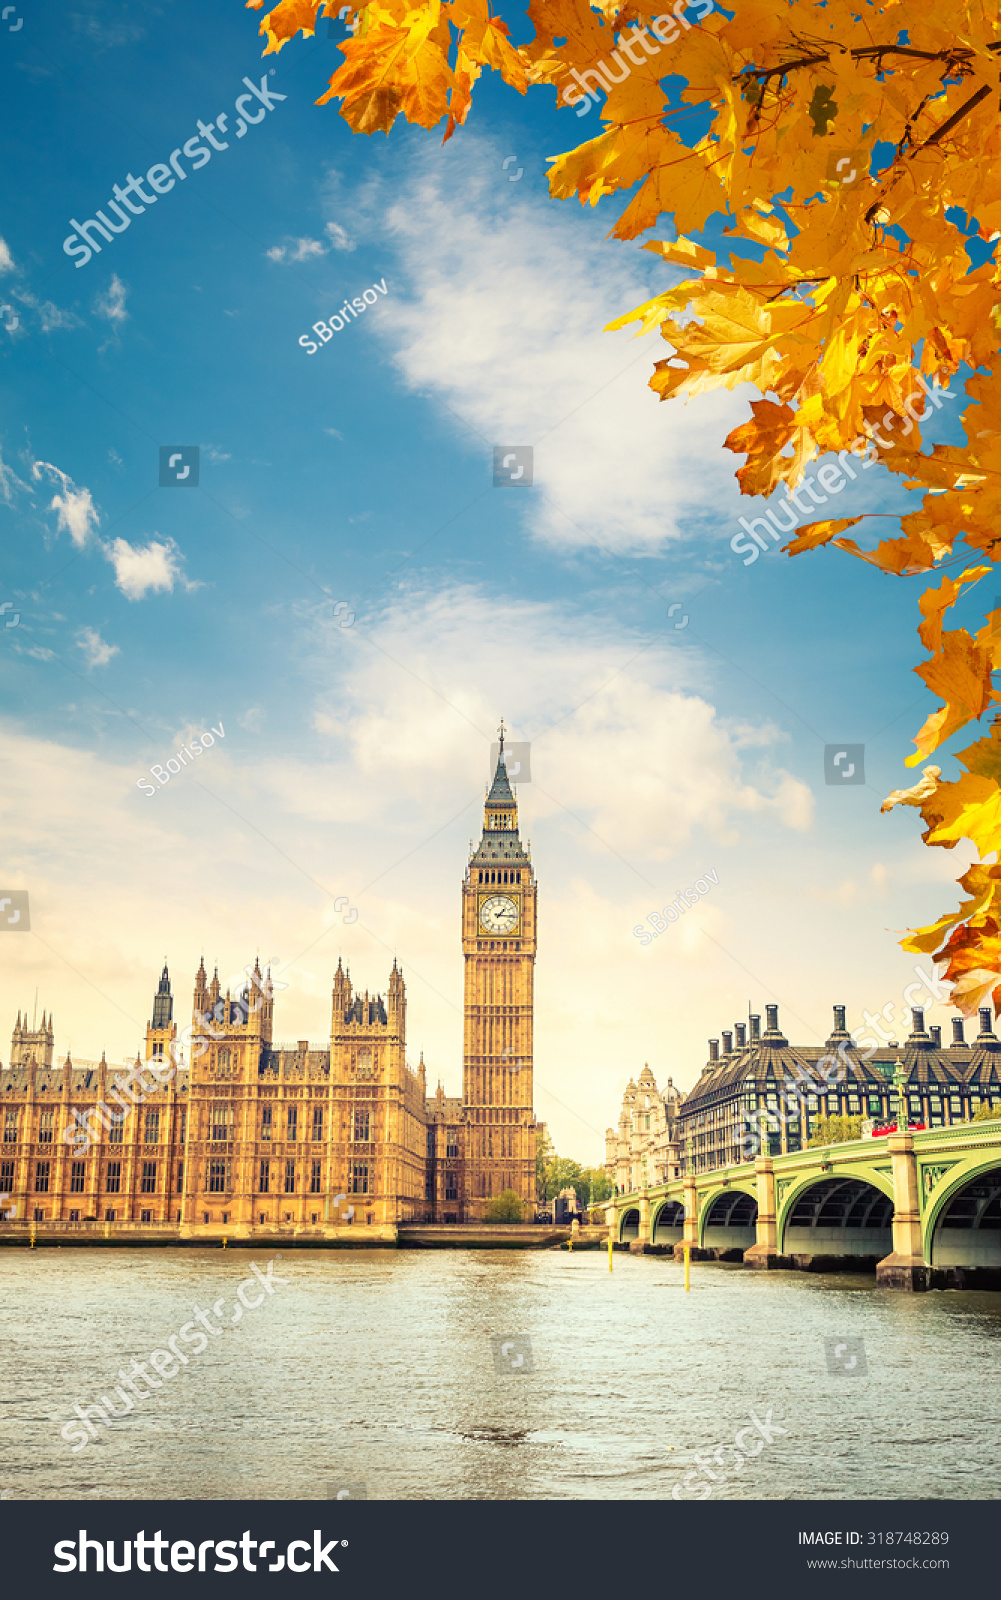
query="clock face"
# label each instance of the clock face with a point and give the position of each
(499, 914)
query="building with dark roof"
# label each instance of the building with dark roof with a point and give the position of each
(760, 1093)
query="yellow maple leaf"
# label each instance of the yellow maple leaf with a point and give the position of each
(771, 430)
(814, 534)
(960, 673)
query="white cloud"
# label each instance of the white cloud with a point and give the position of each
(76, 513)
(335, 433)
(297, 250)
(6, 259)
(50, 316)
(10, 484)
(215, 456)
(253, 719)
(508, 298)
(626, 755)
(339, 237)
(111, 304)
(142, 569)
(97, 652)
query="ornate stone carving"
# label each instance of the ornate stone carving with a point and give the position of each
(931, 1175)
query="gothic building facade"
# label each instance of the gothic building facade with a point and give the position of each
(221, 1127)
(645, 1149)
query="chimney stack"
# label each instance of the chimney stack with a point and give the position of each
(714, 1049)
(772, 1018)
(917, 1020)
(936, 1035)
(986, 1020)
(957, 1031)
(839, 1019)
(755, 1028)
(741, 1031)
(727, 1044)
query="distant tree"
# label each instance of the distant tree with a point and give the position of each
(506, 1207)
(564, 1173)
(835, 1130)
(590, 1184)
(600, 1185)
(986, 1113)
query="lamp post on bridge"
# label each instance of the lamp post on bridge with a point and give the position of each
(900, 1084)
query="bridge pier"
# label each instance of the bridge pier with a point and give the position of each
(763, 1253)
(905, 1268)
(690, 1233)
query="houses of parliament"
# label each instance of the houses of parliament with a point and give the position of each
(223, 1128)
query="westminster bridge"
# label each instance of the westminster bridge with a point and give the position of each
(924, 1208)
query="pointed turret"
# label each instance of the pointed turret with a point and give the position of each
(201, 995)
(396, 997)
(342, 992)
(27, 1042)
(163, 1002)
(501, 796)
(500, 841)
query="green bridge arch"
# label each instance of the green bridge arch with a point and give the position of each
(708, 1200)
(661, 1204)
(861, 1171)
(976, 1165)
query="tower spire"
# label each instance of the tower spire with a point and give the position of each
(163, 1003)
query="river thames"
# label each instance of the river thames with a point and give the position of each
(383, 1373)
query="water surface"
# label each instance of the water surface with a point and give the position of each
(377, 1369)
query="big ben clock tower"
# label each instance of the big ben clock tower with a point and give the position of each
(498, 942)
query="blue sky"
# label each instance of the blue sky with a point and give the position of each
(354, 755)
